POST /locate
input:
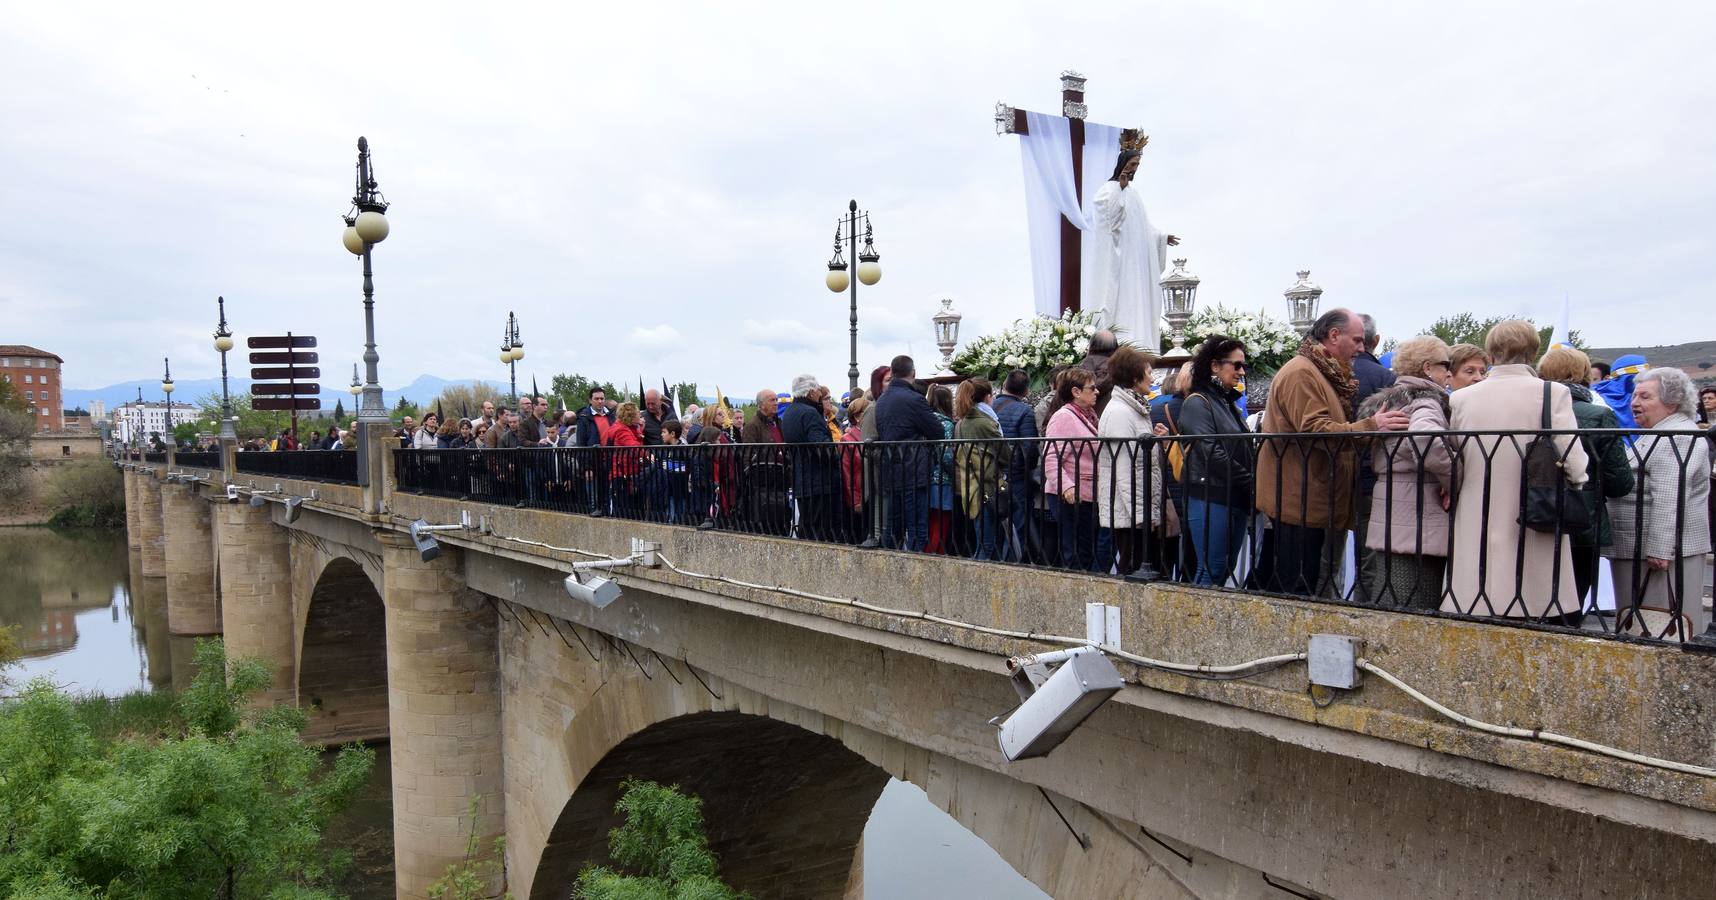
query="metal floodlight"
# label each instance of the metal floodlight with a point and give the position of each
(1056, 701)
(423, 535)
(257, 499)
(592, 589)
(294, 506)
(232, 493)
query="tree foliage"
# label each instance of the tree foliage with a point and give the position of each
(10, 399)
(663, 841)
(466, 400)
(87, 493)
(231, 807)
(1465, 328)
(575, 390)
(252, 423)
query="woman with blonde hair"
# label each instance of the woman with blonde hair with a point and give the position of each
(626, 457)
(1414, 489)
(1499, 566)
(1470, 365)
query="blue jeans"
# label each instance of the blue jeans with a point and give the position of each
(984, 529)
(1216, 530)
(908, 518)
(1085, 545)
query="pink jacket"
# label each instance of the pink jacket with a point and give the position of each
(1070, 460)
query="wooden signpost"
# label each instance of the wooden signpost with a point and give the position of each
(286, 381)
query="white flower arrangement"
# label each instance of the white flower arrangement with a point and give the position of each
(1269, 342)
(1036, 345)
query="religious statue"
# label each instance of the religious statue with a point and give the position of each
(1127, 260)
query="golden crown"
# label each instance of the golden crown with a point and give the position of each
(1133, 139)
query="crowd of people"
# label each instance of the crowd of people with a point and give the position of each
(1418, 480)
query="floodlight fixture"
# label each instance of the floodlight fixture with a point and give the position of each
(1059, 691)
(294, 507)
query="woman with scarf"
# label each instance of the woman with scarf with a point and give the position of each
(714, 473)
(1128, 488)
(1308, 465)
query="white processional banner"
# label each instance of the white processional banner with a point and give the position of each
(1051, 193)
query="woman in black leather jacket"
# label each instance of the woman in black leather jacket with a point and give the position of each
(1218, 470)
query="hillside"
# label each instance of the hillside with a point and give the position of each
(1697, 359)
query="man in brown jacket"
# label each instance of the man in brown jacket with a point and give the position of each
(1305, 482)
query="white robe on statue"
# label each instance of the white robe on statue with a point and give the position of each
(1127, 265)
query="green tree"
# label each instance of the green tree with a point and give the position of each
(1465, 328)
(252, 423)
(402, 409)
(340, 410)
(16, 426)
(663, 841)
(686, 391)
(185, 432)
(87, 493)
(458, 400)
(230, 807)
(575, 390)
(10, 399)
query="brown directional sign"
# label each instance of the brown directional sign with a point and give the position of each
(281, 341)
(289, 373)
(290, 387)
(285, 358)
(291, 403)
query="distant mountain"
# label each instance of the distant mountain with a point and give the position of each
(422, 389)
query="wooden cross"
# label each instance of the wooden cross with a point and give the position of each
(1012, 121)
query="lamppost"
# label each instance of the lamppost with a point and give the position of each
(167, 397)
(869, 270)
(366, 226)
(223, 343)
(137, 423)
(946, 331)
(512, 350)
(1302, 300)
(1179, 300)
(357, 386)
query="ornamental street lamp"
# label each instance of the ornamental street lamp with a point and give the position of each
(167, 397)
(137, 420)
(357, 386)
(223, 343)
(869, 270)
(946, 331)
(1302, 300)
(1179, 301)
(512, 350)
(366, 226)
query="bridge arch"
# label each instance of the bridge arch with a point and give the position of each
(342, 656)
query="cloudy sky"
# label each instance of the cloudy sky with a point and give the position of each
(653, 187)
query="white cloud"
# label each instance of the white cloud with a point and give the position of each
(656, 337)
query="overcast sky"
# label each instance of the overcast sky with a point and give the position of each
(653, 187)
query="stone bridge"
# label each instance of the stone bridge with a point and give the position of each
(787, 713)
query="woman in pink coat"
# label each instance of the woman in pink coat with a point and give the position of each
(1069, 473)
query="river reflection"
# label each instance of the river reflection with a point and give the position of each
(90, 621)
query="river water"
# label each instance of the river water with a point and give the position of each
(89, 621)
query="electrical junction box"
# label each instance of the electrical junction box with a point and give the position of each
(1333, 660)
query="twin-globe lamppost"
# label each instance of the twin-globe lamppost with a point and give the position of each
(167, 398)
(512, 350)
(366, 226)
(223, 343)
(869, 270)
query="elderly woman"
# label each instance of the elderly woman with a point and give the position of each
(1414, 487)
(979, 459)
(1499, 567)
(1128, 488)
(1662, 529)
(1069, 473)
(1609, 473)
(1470, 363)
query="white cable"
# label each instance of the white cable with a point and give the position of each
(1533, 733)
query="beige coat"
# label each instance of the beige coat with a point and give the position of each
(1487, 533)
(1121, 463)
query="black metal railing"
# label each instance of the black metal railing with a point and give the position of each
(309, 465)
(1419, 521)
(154, 456)
(198, 459)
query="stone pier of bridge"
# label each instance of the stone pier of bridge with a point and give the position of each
(787, 714)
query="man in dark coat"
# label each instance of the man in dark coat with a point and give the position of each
(1102, 346)
(1372, 376)
(902, 414)
(655, 411)
(815, 470)
(590, 430)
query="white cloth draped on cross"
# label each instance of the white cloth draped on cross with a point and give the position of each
(1121, 252)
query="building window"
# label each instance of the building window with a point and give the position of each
(29, 379)
(29, 395)
(44, 410)
(44, 379)
(65, 449)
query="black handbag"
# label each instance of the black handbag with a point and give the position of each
(1547, 503)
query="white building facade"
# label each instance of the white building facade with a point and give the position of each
(131, 419)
